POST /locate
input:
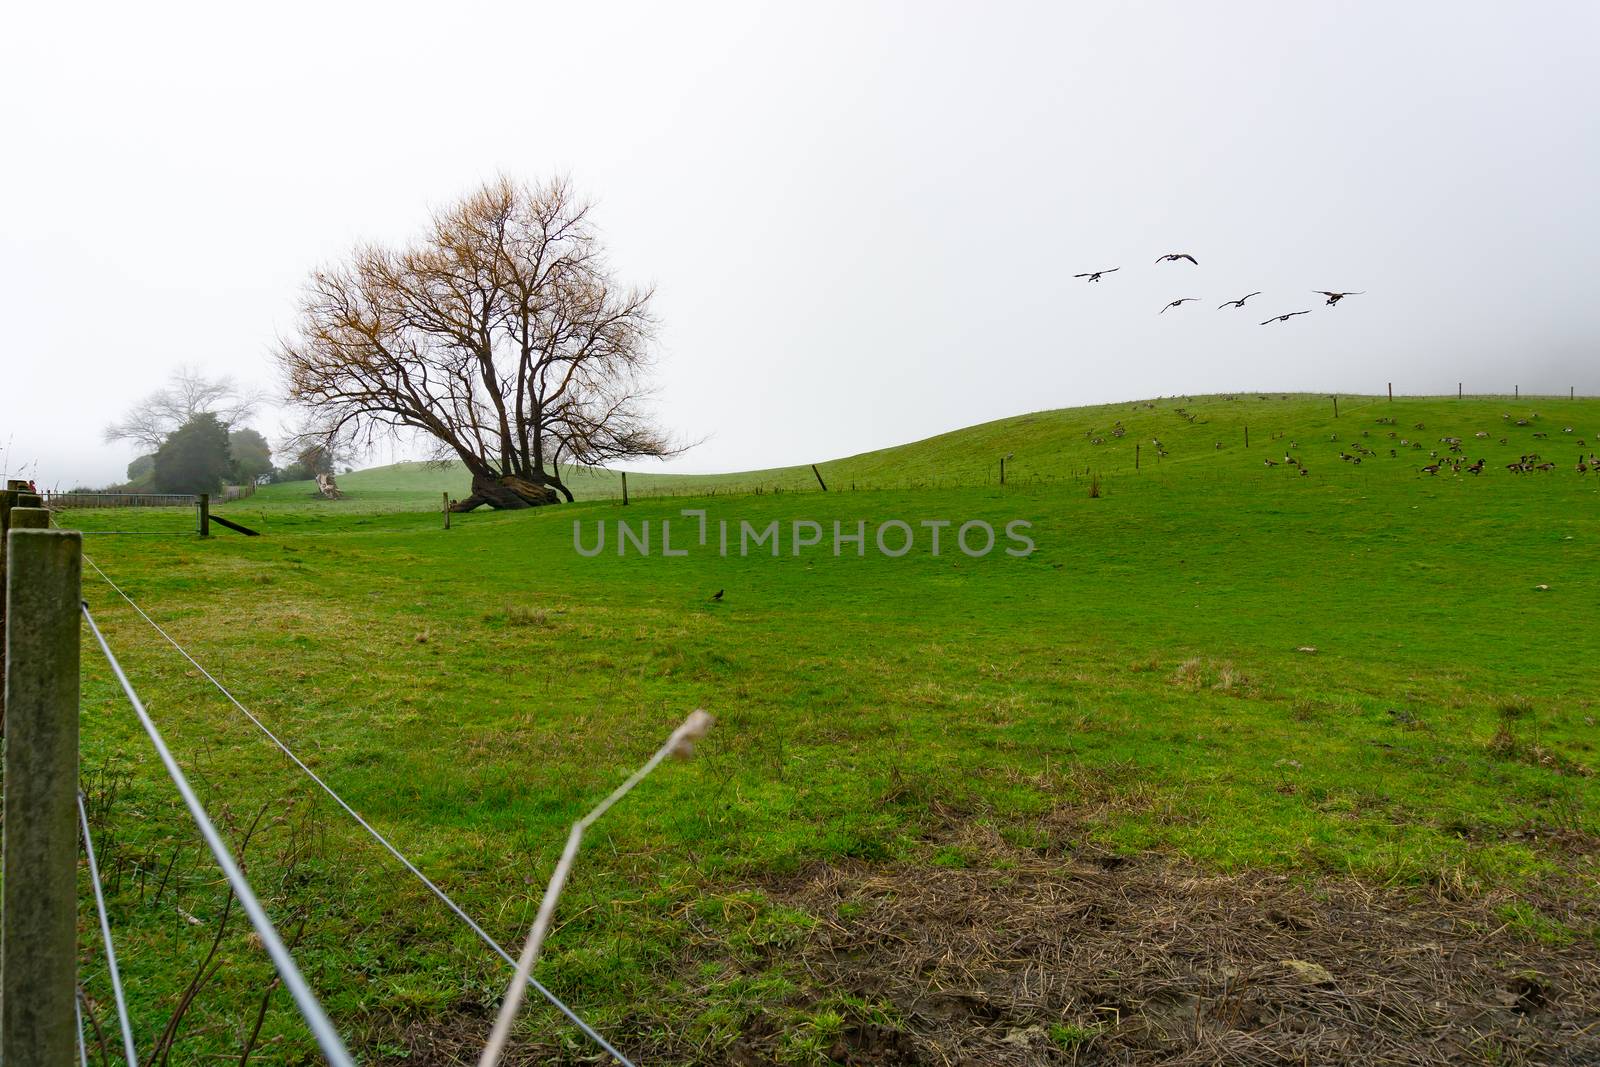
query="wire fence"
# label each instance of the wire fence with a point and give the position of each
(105, 935)
(322, 1028)
(309, 1007)
(59, 501)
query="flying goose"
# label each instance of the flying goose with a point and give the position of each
(1175, 303)
(1286, 318)
(1239, 303)
(1094, 275)
(1334, 298)
(1173, 257)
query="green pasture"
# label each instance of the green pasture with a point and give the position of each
(1364, 670)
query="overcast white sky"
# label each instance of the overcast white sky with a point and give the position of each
(862, 218)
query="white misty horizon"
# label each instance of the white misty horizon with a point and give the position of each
(862, 220)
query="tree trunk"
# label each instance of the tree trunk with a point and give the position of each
(507, 492)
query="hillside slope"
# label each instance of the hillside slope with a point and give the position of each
(1168, 437)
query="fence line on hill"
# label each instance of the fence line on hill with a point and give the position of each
(806, 479)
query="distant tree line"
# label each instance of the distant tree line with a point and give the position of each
(197, 444)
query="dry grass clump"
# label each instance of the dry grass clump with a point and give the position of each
(1506, 745)
(519, 615)
(1196, 673)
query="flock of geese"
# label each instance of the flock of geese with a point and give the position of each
(1454, 459)
(1333, 296)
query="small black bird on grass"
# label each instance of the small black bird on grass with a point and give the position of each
(717, 595)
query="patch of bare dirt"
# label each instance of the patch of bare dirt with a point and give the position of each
(1091, 959)
(1111, 960)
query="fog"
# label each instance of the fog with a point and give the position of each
(862, 220)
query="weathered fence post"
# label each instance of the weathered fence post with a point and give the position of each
(1391, 391)
(1459, 387)
(624, 488)
(30, 518)
(1136, 455)
(1516, 391)
(446, 494)
(204, 505)
(819, 478)
(38, 915)
(13, 496)
(1336, 407)
(1247, 435)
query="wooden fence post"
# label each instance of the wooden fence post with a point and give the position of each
(205, 514)
(819, 478)
(1247, 435)
(446, 494)
(1136, 455)
(14, 496)
(1336, 407)
(624, 488)
(38, 915)
(1391, 391)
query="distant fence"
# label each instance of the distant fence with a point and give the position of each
(59, 500)
(56, 501)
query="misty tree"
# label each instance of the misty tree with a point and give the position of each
(252, 455)
(187, 394)
(141, 467)
(501, 337)
(194, 458)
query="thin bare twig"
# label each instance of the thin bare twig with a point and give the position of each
(680, 744)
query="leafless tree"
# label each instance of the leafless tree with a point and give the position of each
(188, 393)
(501, 335)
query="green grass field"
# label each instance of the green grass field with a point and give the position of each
(1136, 688)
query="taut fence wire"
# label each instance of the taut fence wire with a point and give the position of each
(322, 1028)
(105, 935)
(443, 897)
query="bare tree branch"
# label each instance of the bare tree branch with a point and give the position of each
(501, 335)
(188, 393)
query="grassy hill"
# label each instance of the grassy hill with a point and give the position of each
(1116, 800)
(1056, 446)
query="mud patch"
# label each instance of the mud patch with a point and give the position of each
(1082, 961)
(1097, 958)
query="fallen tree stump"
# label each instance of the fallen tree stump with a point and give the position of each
(328, 488)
